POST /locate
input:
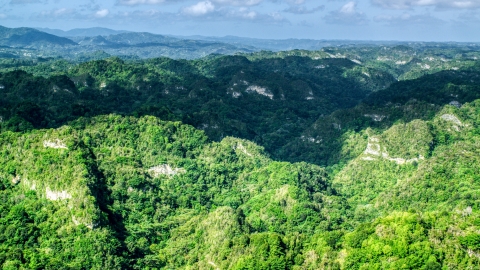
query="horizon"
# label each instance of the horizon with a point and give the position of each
(372, 20)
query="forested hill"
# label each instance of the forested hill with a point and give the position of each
(27, 43)
(124, 192)
(404, 101)
(287, 160)
(28, 37)
(270, 101)
(299, 105)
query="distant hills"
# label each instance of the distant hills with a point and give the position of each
(29, 37)
(86, 44)
(286, 44)
(259, 44)
(82, 32)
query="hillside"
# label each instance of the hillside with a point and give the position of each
(406, 61)
(270, 101)
(267, 160)
(276, 45)
(131, 186)
(404, 101)
(129, 45)
(299, 107)
(31, 38)
(121, 192)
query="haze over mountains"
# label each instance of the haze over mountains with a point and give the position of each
(29, 37)
(92, 43)
(82, 32)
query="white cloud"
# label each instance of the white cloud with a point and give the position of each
(468, 17)
(222, 13)
(199, 9)
(349, 8)
(439, 4)
(303, 9)
(61, 12)
(7, 16)
(237, 2)
(295, 2)
(143, 16)
(101, 13)
(22, 2)
(408, 19)
(139, 2)
(56, 14)
(347, 14)
(245, 14)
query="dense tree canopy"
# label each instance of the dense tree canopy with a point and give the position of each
(346, 171)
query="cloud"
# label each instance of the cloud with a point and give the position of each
(246, 14)
(22, 2)
(347, 14)
(303, 9)
(222, 13)
(199, 9)
(227, 13)
(438, 4)
(143, 16)
(295, 2)
(467, 18)
(6, 16)
(65, 14)
(54, 14)
(243, 13)
(139, 2)
(408, 19)
(101, 13)
(241, 3)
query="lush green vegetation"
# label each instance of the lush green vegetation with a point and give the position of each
(97, 169)
(270, 101)
(126, 192)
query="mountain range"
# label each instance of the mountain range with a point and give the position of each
(88, 43)
(29, 37)
(82, 32)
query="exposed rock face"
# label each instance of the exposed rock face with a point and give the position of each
(451, 118)
(376, 117)
(79, 221)
(57, 195)
(16, 180)
(243, 149)
(260, 90)
(373, 147)
(374, 150)
(424, 66)
(454, 120)
(58, 144)
(165, 169)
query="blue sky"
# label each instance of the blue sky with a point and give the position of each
(416, 20)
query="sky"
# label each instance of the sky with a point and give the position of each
(405, 20)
